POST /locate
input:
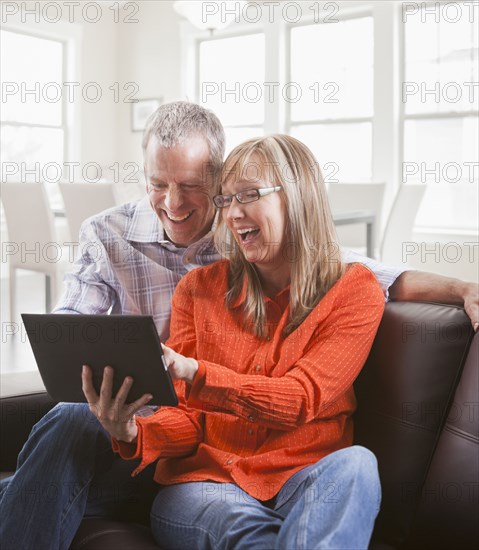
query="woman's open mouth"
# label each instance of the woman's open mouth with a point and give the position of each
(248, 234)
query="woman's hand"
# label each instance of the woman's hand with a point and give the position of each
(180, 367)
(115, 416)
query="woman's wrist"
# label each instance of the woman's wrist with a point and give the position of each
(192, 370)
(130, 432)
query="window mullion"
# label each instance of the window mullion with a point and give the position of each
(385, 160)
(31, 125)
(272, 72)
(439, 114)
(64, 115)
(339, 120)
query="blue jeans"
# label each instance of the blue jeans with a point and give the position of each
(65, 471)
(331, 504)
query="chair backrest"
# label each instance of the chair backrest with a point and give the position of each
(348, 197)
(30, 225)
(83, 200)
(400, 222)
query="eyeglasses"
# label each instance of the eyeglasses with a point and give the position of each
(243, 197)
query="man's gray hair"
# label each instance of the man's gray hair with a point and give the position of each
(172, 123)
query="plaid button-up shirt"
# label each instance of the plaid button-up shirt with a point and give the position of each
(126, 265)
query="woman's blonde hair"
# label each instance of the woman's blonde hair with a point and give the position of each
(312, 246)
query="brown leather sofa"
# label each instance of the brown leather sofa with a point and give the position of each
(417, 411)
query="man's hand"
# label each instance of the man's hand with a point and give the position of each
(180, 367)
(115, 416)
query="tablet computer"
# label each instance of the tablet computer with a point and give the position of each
(63, 343)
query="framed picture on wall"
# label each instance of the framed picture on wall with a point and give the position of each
(141, 110)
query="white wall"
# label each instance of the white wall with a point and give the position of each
(100, 63)
(148, 55)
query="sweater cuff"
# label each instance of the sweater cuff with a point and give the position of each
(192, 391)
(214, 388)
(129, 451)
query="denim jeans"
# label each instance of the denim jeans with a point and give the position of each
(65, 471)
(331, 504)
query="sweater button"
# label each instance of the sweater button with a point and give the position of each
(250, 432)
(229, 461)
(257, 368)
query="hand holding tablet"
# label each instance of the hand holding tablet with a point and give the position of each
(117, 417)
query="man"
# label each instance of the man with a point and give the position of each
(131, 258)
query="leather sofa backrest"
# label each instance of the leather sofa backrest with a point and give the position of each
(448, 507)
(404, 394)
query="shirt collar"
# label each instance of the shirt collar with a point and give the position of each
(145, 227)
(282, 297)
(241, 298)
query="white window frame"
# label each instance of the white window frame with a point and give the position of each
(388, 118)
(425, 231)
(191, 41)
(289, 124)
(70, 36)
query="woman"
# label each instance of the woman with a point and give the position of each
(264, 348)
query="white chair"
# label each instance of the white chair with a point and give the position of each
(400, 224)
(32, 242)
(350, 197)
(83, 200)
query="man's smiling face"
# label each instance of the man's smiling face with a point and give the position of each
(179, 184)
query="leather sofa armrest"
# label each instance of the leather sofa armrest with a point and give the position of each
(18, 414)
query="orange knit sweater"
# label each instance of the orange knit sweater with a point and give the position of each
(259, 410)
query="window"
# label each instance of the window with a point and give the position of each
(231, 83)
(32, 116)
(334, 115)
(440, 99)
(385, 91)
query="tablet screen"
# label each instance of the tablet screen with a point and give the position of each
(63, 343)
